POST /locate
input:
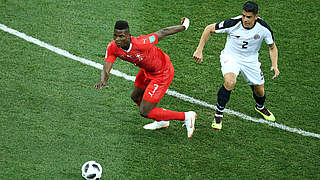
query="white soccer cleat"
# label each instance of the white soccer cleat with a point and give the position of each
(157, 125)
(189, 122)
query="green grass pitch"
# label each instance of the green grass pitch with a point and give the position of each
(52, 120)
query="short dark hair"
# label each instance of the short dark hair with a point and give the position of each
(120, 25)
(250, 7)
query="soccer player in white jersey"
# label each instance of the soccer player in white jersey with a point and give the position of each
(245, 35)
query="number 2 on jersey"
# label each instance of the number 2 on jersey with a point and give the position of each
(244, 45)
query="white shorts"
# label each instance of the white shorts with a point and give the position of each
(250, 71)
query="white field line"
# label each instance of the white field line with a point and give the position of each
(169, 92)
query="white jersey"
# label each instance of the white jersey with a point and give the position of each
(243, 44)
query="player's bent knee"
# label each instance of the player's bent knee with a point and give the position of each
(229, 85)
(260, 93)
(259, 90)
(135, 98)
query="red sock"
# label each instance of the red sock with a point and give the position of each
(160, 114)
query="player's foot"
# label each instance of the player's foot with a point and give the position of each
(189, 122)
(157, 125)
(265, 113)
(217, 122)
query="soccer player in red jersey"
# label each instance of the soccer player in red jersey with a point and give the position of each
(155, 75)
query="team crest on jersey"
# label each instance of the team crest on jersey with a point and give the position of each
(152, 39)
(256, 37)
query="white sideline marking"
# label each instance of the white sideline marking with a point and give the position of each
(132, 78)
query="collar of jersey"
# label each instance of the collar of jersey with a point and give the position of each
(128, 49)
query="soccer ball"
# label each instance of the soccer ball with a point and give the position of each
(91, 170)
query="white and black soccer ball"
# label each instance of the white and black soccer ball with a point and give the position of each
(91, 170)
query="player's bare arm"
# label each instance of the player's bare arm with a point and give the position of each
(105, 73)
(197, 55)
(273, 50)
(173, 29)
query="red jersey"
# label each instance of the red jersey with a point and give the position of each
(142, 53)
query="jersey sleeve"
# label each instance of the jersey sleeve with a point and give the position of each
(227, 25)
(269, 39)
(148, 41)
(110, 57)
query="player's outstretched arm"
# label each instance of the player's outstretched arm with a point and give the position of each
(197, 55)
(173, 29)
(107, 66)
(273, 51)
